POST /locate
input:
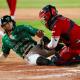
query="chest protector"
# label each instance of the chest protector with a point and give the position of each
(52, 21)
(65, 36)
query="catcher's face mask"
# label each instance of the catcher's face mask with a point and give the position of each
(44, 17)
(46, 14)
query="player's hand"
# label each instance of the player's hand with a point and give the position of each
(40, 33)
(45, 47)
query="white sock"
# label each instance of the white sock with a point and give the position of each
(13, 17)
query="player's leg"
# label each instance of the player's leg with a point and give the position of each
(37, 56)
(12, 7)
(76, 58)
(64, 57)
(42, 51)
(37, 59)
(9, 3)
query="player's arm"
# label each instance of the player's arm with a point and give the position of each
(37, 32)
(40, 33)
(33, 31)
(56, 32)
(53, 43)
(5, 50)
(3, 56)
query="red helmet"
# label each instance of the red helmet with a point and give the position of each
(47, 13)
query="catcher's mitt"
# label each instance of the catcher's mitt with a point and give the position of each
(43, 42)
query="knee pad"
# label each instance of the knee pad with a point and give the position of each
(54, 59)
(43, 61)
(32, 59)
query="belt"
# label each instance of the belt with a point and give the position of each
(27, 50)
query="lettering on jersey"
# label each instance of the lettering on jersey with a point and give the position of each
(16, 47)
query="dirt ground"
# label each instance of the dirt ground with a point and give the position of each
(33, 14)
(15, 68)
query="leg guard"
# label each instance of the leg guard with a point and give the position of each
(43, 61)
(59, 46)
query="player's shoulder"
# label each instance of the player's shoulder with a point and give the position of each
(63, 18)
(18, 26)
(23, 26)
(4, 37)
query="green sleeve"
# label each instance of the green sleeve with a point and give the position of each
(30, 29)
(5, 47)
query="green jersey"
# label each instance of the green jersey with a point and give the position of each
(21, 38)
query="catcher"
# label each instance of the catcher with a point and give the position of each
(19, 39)
(65, 30)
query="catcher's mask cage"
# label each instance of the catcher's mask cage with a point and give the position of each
(5, 19)
(47, 13)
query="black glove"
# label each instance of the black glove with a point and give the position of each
(45, 40)
(59, 47)
(45, 47)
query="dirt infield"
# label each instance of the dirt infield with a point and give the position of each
(17, 69)
(20, 71)
(32, 14)
(14, 68)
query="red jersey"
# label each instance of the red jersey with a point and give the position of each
(62, 27)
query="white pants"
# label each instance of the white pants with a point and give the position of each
(35, 53)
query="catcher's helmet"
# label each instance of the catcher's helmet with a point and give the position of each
(47, 13)
(5, 19)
